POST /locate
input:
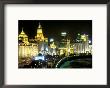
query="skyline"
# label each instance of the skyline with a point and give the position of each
(53, 28)
(71, 46)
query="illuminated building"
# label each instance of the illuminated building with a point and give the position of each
(82, 44)
(31, 48)
(53, 49)
(23, 37)
(26, 50)
(39, 36)
(41, 41)
(65, 47)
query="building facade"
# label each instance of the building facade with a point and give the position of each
(32, 47)
(82, 45)
(39, 44)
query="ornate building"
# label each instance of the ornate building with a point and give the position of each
(41, 41)
(82, 44)
(39, 36)
(23, 38)
(65, 47)
(32, 47)
(26, 49)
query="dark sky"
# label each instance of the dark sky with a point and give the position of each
(53, 28)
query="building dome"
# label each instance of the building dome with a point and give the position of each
(22, 34)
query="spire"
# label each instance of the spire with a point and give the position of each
(22, 34)
(39, 29)
(39, 35)
(22, 29)
(39, 25)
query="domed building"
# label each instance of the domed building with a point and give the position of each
(23, 38)
(32, 47)
(26, 49)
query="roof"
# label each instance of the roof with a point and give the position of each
(22, 34)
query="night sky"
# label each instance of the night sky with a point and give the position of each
(53, 28)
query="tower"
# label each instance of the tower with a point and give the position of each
(39, 36)
(41, 41)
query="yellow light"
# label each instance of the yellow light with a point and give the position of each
(78, 34)
(39, 31)
(27, 51)
(53, 45)
(68, 50)
(61, 52)
(83, 37)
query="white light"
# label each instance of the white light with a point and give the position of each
(89, 41)
(63, 33)
(46, 49)
(39, 58)
(51, 40)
